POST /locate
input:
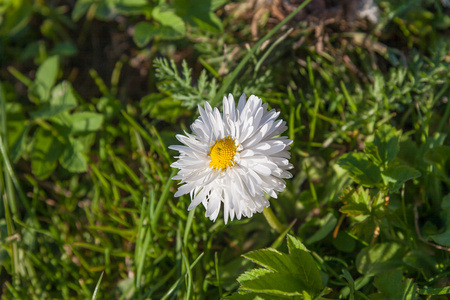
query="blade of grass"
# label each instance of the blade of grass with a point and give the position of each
(271, 48)
(145, 135)
(349, 99)
(243, 62)
(163, 199)
(181, 278)
(189, 275)
(94, 294)
(216, 264)
(187, 228)
(312, 131)
(144, 236)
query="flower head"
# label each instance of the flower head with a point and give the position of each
(235, 157)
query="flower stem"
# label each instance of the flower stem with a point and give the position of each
(273, 220)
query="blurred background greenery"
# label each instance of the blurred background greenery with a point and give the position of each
(93, 91)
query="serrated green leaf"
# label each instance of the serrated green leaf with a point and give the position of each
(272, 259)
(85, 122)
(294, 243)
(172, 26)
(73, 158)
(276, 283)
(356, 202)
(395, 176)
(45, 78)
(45, 153)
(298, 265)
(252, 274)
(387, 142)
(62, 99)
(372, 152)
(360, 169)
(379, 258)
(307, 272)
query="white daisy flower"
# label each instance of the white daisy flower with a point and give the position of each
(234, 158)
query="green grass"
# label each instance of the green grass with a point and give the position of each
(87, 115)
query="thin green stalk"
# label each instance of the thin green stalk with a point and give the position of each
(94, 295)
(219, 284)
(3, 144)
(273, 220)
(445, 117)
(163, 199)
(243, 62)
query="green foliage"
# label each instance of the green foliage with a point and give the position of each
(93, 92)
(181, 88)
(376, 166)
(290, 275)
(60, 134)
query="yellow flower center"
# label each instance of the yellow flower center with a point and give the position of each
(222, 153)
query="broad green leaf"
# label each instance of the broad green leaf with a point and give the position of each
(62, 99)
(356, 202)
(73, 158)
(420, 260)
(389, 283)
(298, 266)
(442, 238)
(84, 122)
(200, 13)
(343, 242)
(172, 26)
(272, 259)
(379, 258)
(247, 295)
(327, 224)
(294, 243)
(45, 78)
(392, 286)
(252, 274)
(45, 153)
(395, 176)
(360, 168)
(372, 152)
(144, 32)
(307, 270)
(387, 142)
(276, 283)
